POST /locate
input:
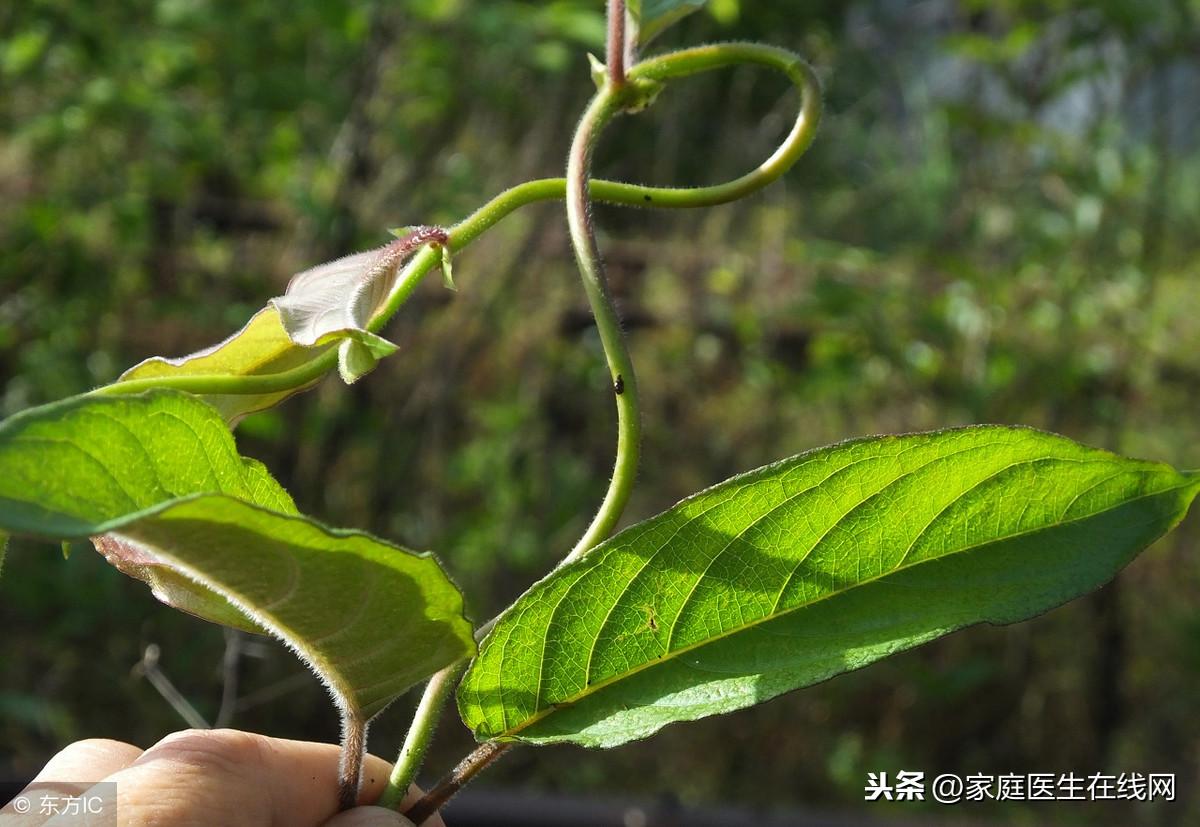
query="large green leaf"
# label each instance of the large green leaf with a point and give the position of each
(651, 17)
(371, 619)
(808, 568)
(260, 348)
(156, 481)
(68, 468)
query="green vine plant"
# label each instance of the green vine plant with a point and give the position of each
(765, 583)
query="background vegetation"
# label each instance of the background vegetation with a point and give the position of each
(998, 223)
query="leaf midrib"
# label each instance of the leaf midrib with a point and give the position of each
(1193, 484)
(732, 494)
(787, 500)
(322, 667)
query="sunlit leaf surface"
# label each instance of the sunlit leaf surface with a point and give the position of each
(808, 568)
(261, 347)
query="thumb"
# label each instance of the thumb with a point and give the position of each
(369, 817)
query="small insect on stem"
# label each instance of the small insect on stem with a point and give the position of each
(619, 385)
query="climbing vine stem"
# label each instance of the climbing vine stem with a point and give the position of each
(591, 268)
(661, 68)
(416, 742)
(577, 188)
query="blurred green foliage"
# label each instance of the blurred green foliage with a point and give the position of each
(997, 223)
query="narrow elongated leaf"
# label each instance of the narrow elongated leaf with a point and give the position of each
(156, 481)
(261, 347)
(808, 568)
(652, 17)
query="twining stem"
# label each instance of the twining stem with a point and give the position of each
(620, 365)
(416, 741)
(602, 109)
(625, 386)
(615, 56)
(354, 746)
(660, 68)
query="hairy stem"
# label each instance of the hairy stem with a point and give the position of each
(433, 701)
(354, 746)
(620, 365)
(658, 69)
(420, 733)
(625, 385)
(481, 758)
(615, 56)
(603, 108)
(688, 62)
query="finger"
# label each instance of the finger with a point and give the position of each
(71, 772)
(369, 817)
(87, 762)
(205, 777)
(375, 774)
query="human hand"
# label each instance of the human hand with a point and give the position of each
(200, 778)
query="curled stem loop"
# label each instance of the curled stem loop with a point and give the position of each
(660, 69)
(577, 188)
